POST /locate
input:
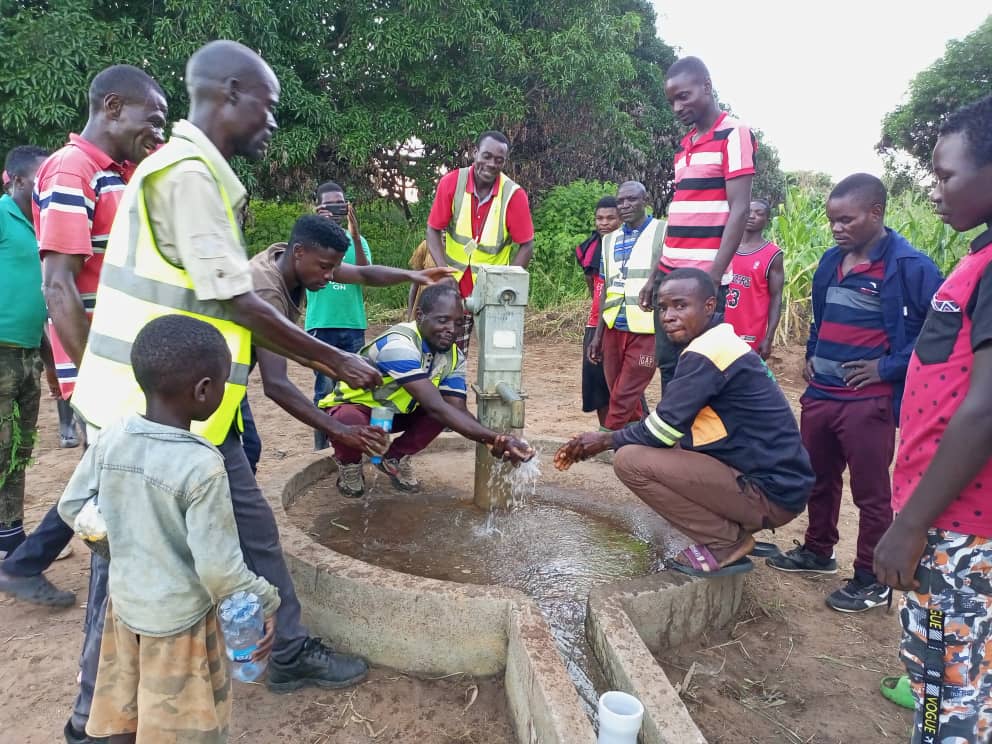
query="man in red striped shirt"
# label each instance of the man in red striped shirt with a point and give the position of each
(714, 167)
(77, 190)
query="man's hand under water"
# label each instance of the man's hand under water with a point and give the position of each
(511, 448)
(582, 447)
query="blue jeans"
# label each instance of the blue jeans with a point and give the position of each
(346, 339)
(41, 547)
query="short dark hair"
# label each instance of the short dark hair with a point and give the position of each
(974, 121)
(492, 134)
(692, 65)
(870, 188)
(20, 159)
(607, 202)
(130, 82)
(327, 187)
(763, 201)
(313, 231)
(173, 352)
(434, 293)
(704, 282)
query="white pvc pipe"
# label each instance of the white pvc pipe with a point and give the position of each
(620, 717)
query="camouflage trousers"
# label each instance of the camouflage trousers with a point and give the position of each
(947, 640)
(20, 396)
(168, 690)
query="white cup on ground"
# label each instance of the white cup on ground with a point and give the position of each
(620, 718)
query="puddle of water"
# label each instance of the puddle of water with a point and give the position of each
(552, 553)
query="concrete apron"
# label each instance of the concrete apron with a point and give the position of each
(430, 627)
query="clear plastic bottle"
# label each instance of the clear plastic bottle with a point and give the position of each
(243, 625)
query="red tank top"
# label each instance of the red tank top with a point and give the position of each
(747, 293)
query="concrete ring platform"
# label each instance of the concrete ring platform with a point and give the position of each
(431, 627)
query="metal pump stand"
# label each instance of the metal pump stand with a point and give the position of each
(498, 302)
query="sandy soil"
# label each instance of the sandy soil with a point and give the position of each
(791, 670)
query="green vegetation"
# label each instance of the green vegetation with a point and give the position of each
(961, 76)
(799, 226)
(564, 218)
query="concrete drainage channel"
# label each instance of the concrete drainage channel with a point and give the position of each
(430, 627)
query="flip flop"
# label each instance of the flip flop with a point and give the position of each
(897, 690)
(702, 563)
(764, 549)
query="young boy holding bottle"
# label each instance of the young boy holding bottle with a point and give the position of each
(163, 494)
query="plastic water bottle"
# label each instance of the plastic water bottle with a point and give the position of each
(243, 624)
(383, 418)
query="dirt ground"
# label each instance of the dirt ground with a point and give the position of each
(790, 670)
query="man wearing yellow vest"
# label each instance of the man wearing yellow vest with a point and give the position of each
(624, 339)
(477, 216)
(176, 247)
(424, 386)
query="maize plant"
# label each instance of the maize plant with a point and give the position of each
(800, 228)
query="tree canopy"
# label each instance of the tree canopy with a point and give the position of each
(961, 76)
(378, 95)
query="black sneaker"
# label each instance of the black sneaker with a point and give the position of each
(72, 736)
(316, 665)
(36, 590)
(801, 559)
(859, 595)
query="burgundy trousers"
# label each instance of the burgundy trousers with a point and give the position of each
(418, 430)
(858, 435)
(628, 363)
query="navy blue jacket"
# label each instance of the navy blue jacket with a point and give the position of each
(911, 279)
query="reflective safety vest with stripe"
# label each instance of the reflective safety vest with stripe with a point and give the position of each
(137, 285)
(391, 394)
(493, 245)
(624, 281)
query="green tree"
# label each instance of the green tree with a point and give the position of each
(769, 180)
(816, 182)
(962, 75)
(380, 96)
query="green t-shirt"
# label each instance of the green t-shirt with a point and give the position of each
(23, 318)
(339, 305)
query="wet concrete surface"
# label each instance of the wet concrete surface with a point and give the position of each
(545, 546)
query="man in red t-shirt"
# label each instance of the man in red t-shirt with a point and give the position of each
(939, 546)
(488, 238)
(595, 392)
(754, 295)
(77, 190)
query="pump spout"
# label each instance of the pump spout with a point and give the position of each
(512, 398)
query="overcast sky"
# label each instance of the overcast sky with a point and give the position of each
(817, 78)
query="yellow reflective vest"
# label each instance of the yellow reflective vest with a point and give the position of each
(137, 285)
(494, 245)
(625, 280)
(391, 394)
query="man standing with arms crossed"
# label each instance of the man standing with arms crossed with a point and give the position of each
(177, 246)
(713, 171)
(624, 339)
(77, 191)
(477, 215)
